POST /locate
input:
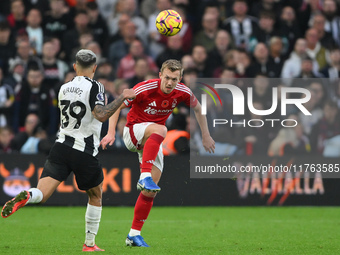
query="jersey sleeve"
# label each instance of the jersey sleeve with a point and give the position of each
(97, 95)
(190, 99)
(129, 102)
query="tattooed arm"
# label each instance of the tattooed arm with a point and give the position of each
(102, 113)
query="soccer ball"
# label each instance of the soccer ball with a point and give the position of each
(169, 22)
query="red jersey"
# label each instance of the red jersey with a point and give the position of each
(152, 105)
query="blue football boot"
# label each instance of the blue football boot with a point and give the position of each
(136, 241)
(148, 184)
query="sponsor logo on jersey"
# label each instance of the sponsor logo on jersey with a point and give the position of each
(153, 103)
(149, 110)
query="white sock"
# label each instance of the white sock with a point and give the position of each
(92, 219)
(144, 175)
(134, 232)
(35, 196)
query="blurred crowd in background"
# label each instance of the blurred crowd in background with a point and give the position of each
(298, 40)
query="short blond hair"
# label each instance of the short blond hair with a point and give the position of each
(173, 65)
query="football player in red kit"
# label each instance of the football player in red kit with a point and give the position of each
(145, 130)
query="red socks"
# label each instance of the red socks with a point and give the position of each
(142, 209)
(150, 151)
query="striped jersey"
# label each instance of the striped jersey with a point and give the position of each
(79, 129)
(152, 105)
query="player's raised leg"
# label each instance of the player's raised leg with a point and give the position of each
(92, 218)
(153, 138)
(142, 209)
(46, 187)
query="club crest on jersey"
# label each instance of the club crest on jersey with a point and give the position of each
(100, 96)
(165, 103)
(174, 103)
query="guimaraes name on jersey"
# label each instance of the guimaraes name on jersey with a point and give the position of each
(75, 90)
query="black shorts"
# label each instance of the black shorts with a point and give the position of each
(63, 160)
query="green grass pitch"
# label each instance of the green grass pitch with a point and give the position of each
(177, 230)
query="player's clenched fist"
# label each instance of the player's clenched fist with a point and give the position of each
(129, 94)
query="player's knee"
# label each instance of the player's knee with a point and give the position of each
(161, 130)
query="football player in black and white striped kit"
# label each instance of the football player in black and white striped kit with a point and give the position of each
(83, 108)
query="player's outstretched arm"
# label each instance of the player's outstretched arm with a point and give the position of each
(110, 136)
(208, 142)
(102, 113)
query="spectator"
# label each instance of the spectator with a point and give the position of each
(97, 24)
(16, 73)
(289, 26)
(307, 73)
(290, 140)
(57, 21)
(261, 63)
(229, 62)
(199, 55)
(264, 31)
(84, 39)
(77, 5)
(71, 37)
(266, 6)
(332, 25)
(95, 47)
(36, 97)
(123, 19)
(16, 19)
(276, 54)
(128, 7)
(6, 137)
(206, 37)
(332, 70)
(292, 66)
(147, 8)
(319, 92)
(308, 121)
(240, 26)
(34, 30)
(325, 38)
(242, 63)
(315, 50)
(188, 62)
(172, 51)
(6, 102)
(106, 8)
(31, 121)
(262, 91)
(141, 70)
(255, 140)
(54, 69)
(33, 143)
(120, 48)
(190, 77)
(126, 65)
(25, 55)
(104, 68)
(7, 46)
(325, 133)
(221, 46)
